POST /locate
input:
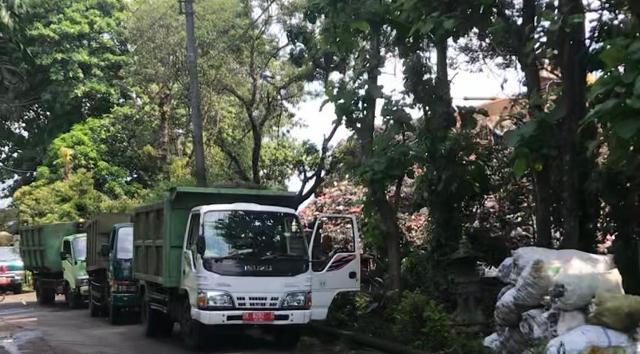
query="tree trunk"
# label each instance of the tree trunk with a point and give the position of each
(443, 111)
(529, 64)
(163, 143)
(377, 191)
(255, 154)
(624, 213)
(542, 180)
(194, 97)
(391, 231)
(572, 51)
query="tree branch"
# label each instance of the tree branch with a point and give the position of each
(317, 176)
(242, 174)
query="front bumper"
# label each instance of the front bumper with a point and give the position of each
(125, 300)
(84, 291)
(10, 280)
(234, 317)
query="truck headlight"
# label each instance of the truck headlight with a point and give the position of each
(214, 300)
(296, 300)
(82, 281)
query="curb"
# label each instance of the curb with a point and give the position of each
(372, 342)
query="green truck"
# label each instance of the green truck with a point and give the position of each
(235, 258)
(112, 289)
(55, 254)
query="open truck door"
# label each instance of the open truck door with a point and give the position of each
(335, 261)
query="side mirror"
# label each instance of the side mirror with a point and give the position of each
(200, 245)
(104, 250)
(63, 256)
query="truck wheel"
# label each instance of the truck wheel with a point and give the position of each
(114, 314)
(17, 289)
(156, 323)
(45, 296)
(94, 310)
(71, 298)
(192, 331)
(287, 338)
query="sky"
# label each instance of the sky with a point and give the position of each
(487, 82)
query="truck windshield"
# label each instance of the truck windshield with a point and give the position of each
(125, 243)
(80, 248)
(9, 254)
(253, 234)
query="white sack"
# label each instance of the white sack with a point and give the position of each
(566, 261)
(533, 285)
(581, 338)
(534, 325)
(575, 291)
(513, 341)
(538, 324)
(492, 342)
(504, 270)
(503, 291)
(507, 313)
(567, 321)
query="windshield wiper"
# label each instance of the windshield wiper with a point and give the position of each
(283, 256)
(222, 258)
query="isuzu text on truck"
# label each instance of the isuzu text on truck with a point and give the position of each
(228, 258)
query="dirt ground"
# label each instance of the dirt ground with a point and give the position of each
(26, 327)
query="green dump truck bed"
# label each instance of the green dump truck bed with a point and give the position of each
(98, 231)
(159, 229)
(40, 245)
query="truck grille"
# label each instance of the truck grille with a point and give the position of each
(257, 301)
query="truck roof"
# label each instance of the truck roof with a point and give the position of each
(75, 236)
(244, 206)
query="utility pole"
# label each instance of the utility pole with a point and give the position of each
(194, 95)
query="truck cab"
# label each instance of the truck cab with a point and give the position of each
(251, 264)
(121, 287)
(73, 253)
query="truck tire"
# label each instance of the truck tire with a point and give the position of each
(45, 296)
(287, 338)
(17, 289)
(71, 297)
(94, 310)
(156, 322)
(192, 331)
(114, 314)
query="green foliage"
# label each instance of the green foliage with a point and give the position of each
(615, 98)
(421, 323)
(62, 200)
(74, 62)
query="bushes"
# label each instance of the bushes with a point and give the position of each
(421, 322)
(411, 318)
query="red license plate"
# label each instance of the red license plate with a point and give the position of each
(257, 316)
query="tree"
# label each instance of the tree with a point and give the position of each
(455, 177)
(572, 52)
(614, 100)
(353, 35)
(519, 39)
(78, 55)
(259, 78)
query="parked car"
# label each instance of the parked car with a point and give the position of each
(11, 270)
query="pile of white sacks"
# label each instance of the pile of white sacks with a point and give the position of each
(545, 304)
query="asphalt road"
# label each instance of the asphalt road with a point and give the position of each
(26, 327)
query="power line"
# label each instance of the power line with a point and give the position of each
(15, 170)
